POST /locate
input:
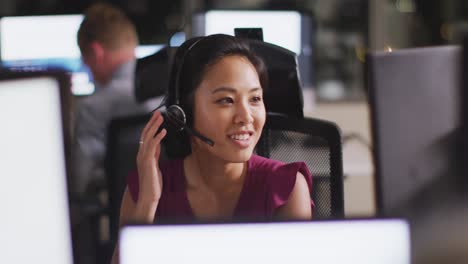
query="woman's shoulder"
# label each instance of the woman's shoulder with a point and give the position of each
(277, 174)
(279, 178)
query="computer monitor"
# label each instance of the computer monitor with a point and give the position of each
(416, 116)
(464, 114)
(288, 29)
(358, 241)
(39, 37)
(34, 226)
(36, 43)
(441, 236)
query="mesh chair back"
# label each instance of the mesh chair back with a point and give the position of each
(318, 144)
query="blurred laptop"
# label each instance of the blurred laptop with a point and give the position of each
(356, 241)
(35, 226)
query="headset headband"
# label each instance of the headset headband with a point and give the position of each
(179, 72)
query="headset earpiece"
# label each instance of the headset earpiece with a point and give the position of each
(176, 117)
(174, 114)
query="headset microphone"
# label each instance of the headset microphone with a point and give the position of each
(200, 136)
(174, 119)
(175, 115)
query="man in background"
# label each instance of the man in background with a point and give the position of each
(107, 41)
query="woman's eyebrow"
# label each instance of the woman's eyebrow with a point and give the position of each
(255, 89)
(223, 89)
(232, 90)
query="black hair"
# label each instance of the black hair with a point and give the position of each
(191, 61)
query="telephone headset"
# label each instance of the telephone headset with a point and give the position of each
(174, 115)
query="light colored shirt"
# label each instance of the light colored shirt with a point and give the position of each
(92, 117)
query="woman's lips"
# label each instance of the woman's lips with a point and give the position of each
(242, 139)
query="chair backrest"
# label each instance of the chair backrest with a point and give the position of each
(152, 75)
(284, 92)
(318, 144)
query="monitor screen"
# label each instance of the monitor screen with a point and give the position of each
(282, 28)
(39, 37)
(36, 43)
(34, 226)
(362, 241)
(291, 30)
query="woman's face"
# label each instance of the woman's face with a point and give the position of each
(229, 109)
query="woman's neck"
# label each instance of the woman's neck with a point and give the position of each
(213, 172)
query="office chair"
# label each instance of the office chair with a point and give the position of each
(318, 144)
(122, 147)
(284, 95)
(152, 75)
(284, 92)
(288, 136)
(288, 139)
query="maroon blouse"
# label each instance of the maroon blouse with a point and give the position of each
(267, 186)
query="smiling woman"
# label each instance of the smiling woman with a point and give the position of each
(230, 109)
(218, 82)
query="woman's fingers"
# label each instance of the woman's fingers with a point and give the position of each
(151, 139)
(155, 146)
(148, 158)
(147, 142)
(150, 123)
(153, 129)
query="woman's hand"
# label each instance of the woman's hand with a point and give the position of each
(150, 178)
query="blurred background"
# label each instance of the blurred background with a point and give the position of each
(341, 33)
(343, 29)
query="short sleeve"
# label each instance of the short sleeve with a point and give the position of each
(283, 181)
